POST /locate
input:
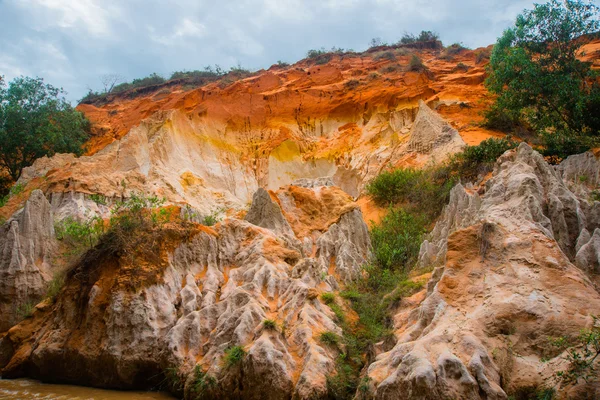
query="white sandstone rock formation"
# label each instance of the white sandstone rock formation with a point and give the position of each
(504, 284)
(27, 244)
(118, 324)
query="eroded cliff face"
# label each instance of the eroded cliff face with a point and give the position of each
(506, 282)
(122, 323)
(282, 158)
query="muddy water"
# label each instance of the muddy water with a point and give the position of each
(25, 389)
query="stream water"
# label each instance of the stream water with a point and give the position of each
(26, 389)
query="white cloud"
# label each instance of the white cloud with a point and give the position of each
(185, 29)
(91, 15)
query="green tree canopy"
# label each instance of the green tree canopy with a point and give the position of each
(36, 121)
(536, 73)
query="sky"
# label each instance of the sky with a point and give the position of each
(72, 43)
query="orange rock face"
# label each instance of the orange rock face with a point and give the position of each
(323, 101)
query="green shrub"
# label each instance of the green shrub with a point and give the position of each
(314, 53)
(352, 84)
(150, 80)
(583, 355)
(388, 69)
(211, 219)
(453, 50)
(499, 119)
(98, 199)
(385, 55)
(350, 294)
(202, 382)
(282, 64)
(462, 67)
(173, 379)
(416, 64)
(427, 189)
(477, 160)
(482, 55)
(270, 324)
(79, 234)
(557, 146)
(329, 338)
(424, 38)
(397, 240)
(328, 298)
(234, 355)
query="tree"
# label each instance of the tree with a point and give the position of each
(536, 73)
(109, 81)
(36, 121)
(376, 42)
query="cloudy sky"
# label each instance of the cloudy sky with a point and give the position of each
(71, 43)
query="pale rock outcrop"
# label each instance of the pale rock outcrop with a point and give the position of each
(580, 172)
(431, 135)
(27, 244)
(266, 213)
(122, 324)
(505, 282)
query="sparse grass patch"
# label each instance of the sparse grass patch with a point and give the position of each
(79, 235)
(54, 287)
(416, 64)
(14, 191)
(462, 67)
(329, 338)
(202, 382)
(328, 298)
(385, 55)
(482, 55)
(388, 69)
(352, 84)
(98, 199)
(270, 324)
(453, 50)
(234, 355)
(25, 310)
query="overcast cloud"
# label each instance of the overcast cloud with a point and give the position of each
(71, 43)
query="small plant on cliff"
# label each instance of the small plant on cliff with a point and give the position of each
(352, 84)
(54, 287)
(13, 191)
(202, 382)
(452, 51)
(424, 39)
(212, 218)
(270, 324)
(479, 160)
(329, 338)
(328, 298)
(79, 234)
(25, 310)
(98, 199)
(583, 355)
(416, 64)
(234, 355)
(173, 380)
